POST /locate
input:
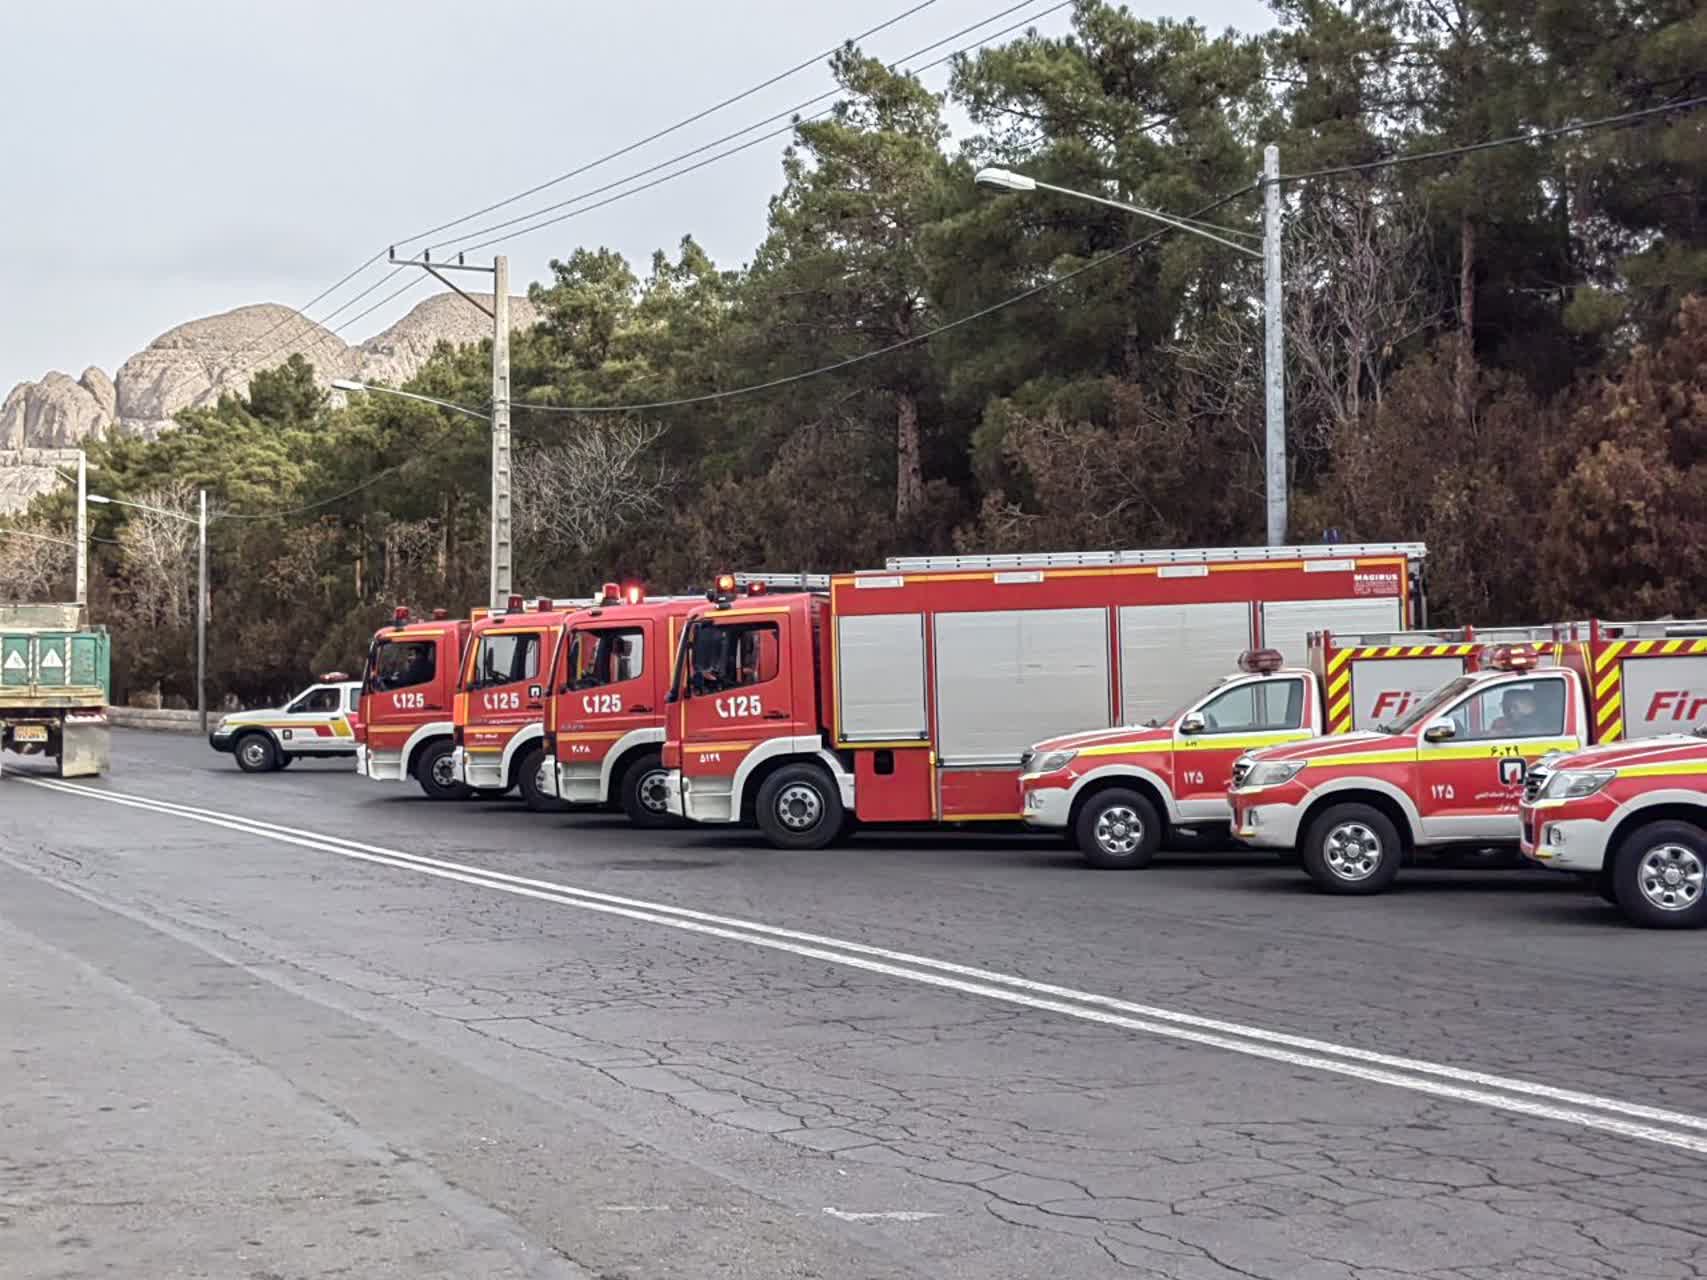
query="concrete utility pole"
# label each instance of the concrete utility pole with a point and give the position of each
(499, 311)
(83, 531)
(201, 611)
(1274, 350)
(501, 539)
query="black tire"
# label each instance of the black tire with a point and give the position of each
(800, 807)
(432, 772)
(1660, 876)
(527, 782)
(256, 753)
(1352, 849)
(1118, 830)
(1210, 838)
(285, 761)
(1604, 885)
(641, 791)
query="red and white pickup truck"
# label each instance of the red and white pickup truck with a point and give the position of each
(1632, 816)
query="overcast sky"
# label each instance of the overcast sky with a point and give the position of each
(174, 159)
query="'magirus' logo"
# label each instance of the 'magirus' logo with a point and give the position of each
(1676, 704)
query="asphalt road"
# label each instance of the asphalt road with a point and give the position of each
(304, 1025)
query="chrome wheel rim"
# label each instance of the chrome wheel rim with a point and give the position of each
(1119, 830)
(255, 753)
(1671, 877)
(444, 771)
(799, 806)
(1352, 851)
(651, 792)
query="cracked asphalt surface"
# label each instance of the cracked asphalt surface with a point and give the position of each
(236, 1050)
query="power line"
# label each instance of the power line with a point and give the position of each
(372, 480)
(697, 116)
(709, 160)
(679, 125)
(926, 336)
(1581, 126)
(757, 124)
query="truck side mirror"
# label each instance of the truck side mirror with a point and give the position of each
(1440, 731)
(1191, 724)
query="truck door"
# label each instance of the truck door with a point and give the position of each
(1471, 780)
(403, 681)
(607, 689)
(316, 719)
(737, 691)
(506, 689)
(1260, 712)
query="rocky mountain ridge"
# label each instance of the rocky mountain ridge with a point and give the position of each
(195, 363)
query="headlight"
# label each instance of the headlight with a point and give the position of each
(1574, 784)
(1053, 760)
(1271, 773)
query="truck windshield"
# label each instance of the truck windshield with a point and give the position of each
(1430, 706)
(399, 664)
(730, 656)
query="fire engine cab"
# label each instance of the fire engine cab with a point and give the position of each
(408, 694)
(911, 694)
(1449, 772)
(603, 735)
(498, 726)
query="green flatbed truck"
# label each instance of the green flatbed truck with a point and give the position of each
(55, 685)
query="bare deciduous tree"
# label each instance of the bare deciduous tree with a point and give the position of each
(1357, 289)
(35, 563)
(159, 553)
(575, 495)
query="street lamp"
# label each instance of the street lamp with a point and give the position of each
(200, 523)
(1274, 371)
(499, 575)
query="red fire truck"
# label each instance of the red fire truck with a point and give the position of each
(1450, 772)
(604, 724)
(408, 695)
(498, 726)
(1120, 794)
(1632, 817)
(910, 694)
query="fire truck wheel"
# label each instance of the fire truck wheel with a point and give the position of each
(799, 807)
(531, 782)
(1661, 876)
(285, 761)
(433, 772)
(1352, 848)
(256, 753)
(643, 795)
(1118, 830)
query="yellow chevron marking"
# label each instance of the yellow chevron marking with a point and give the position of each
(1671, 646)
(1338, 684)
(1338, 660)
(1609, 682)
(1607, 655)
(1340, 709)
(1609, 708)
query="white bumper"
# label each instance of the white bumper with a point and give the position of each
(484, 771)
(575, 781)
(1570, 844)
(1047, 807)
(673, 794)
(379, 766)
(1267, 825)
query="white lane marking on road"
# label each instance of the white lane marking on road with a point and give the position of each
(1235, 1037)
(1462, 1075)
(881, 1215)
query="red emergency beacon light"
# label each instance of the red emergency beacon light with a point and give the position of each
(334, 677)
(400, 616)
(439, 615)
(1261, 662)
(515, 604)
(610, 593)
(755, 588)
(1510, 657)
(635, 593)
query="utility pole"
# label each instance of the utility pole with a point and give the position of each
(83, 532)
(501, 543)
(201, 611)
(1274, 350)
(499, 311)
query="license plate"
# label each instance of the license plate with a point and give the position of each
(29, 733)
